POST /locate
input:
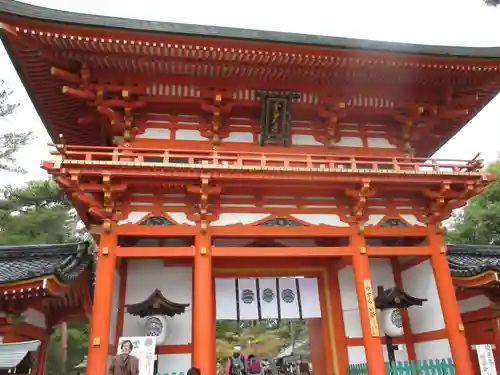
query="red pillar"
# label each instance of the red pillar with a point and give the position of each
(42, 357)
(338, 320)
(326, 322)
(316, 346)
(449, 305)
(203, 301)
(369, 325)
(101, 310)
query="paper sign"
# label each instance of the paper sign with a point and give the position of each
(486, 360)
(144, 350)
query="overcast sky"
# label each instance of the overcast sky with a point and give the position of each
(445, 22)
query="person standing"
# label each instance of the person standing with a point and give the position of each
(125, 363)
(236, 365)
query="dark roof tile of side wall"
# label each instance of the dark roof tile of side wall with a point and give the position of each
(65, 262)
(51, 15)
(471, 260)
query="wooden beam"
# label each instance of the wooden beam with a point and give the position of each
(155, 252)
(277, 252)
(134, 230)
(387, 251)
(239, 231)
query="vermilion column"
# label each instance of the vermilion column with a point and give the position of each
(203, 301)
(362, 278)
(101, 309)
(338, 320)
(449, 306)
(316, 346)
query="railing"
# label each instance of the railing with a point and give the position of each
(428, 367)
(264, 160)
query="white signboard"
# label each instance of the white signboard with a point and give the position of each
(486, 360)
(144, 350)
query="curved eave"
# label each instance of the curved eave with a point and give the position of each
(486, 279)
(51, 283)
(61, 265)
(33, 288)
(20, 9)
(42, 105)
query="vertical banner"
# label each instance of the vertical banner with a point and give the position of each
(486, 360)
(289, 300)
(372, 312)
(268, 295)
(309, 297)
(247, 299)
(225, 299)
(144, 350)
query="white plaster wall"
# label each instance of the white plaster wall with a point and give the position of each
(34, 317)
(114, 311)
(175, 283)
(381, 274)
(170, 363)
(349, 302)
(435, 349)
(419, 281)
(473, 304)
(155, 133)
(357, 354)
(240, 137)
(189, 135)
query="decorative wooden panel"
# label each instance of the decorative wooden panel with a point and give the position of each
(276, 118)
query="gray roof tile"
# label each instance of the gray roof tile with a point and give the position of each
(65, 262)
(12, 354)
(51, 15)
(471, 260)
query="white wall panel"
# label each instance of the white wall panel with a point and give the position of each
(419, 281)
(175, 283)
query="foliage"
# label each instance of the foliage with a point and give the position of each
(492, 2)
(258, 339)
(39, 213)
(6, 108)
(78, 337)
(10, 143)
(479, 222)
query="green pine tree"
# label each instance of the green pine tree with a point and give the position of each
(36, 214)
(479, 221)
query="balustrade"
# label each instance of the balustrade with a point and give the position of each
(264, 160)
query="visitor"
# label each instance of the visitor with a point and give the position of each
(124, 363)
(254, 365)
(236, 364)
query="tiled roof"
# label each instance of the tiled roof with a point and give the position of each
(52, 15)
(471, 260)
(12, 354)
(65, 262)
